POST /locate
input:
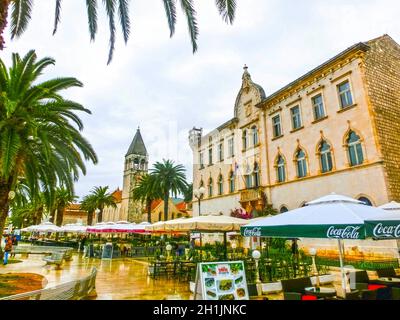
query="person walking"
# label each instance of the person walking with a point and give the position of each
(7, 249)
(14, 244)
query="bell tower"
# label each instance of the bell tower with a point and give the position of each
(136, 165)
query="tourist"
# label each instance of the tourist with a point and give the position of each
(14, 243)
(7, 249)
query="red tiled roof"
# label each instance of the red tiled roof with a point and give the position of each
(181, 206)
(155, 204)
(73, 206)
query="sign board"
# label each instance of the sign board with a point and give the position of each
(107, 251)
(221, 281)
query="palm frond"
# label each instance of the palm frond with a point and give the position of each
(227, 9)
(57, 16)
(123, 12)
(190, 12)
(91, 6)
(110, 9)
(170, 11)
(20, 16)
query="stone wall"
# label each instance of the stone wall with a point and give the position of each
(382, 73)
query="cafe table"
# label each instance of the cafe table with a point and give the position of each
(321, 292)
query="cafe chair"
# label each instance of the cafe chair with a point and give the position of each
(387, 273)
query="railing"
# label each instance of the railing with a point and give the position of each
(73, 290)
(250, 195)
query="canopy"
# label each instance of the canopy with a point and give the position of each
(209, 223)
(74, 228)
(386, 226)
(333, 217)
(121, 227)
(43, 227)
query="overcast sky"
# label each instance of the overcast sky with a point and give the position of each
(158, 84)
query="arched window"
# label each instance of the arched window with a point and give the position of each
(256, 175)
(136, 163)
(244, 139)
(159, 216)
(325, 156)
(220, 185)
(201, 184)
(281, 170)
(210, 187)
(248, 178)
(255, 135)
(301, 164)
(366, 201)
(283, 209)
(231, 182)
(143, 164)
(354, 146)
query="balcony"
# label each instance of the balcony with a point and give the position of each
(248, 195)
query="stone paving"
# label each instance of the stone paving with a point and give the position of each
(117, 279)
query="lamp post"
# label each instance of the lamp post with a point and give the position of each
(199, 194)
(313, 253)
(256, 256)
(168, 247)
(97, 211)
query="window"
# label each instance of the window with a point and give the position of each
(296, 118)
(283, 209)
(231, 148)
(210, 187)
(220, 185)
(201, 184)
(248, 181)
(210, 157)
(354, 149)
(366, 201)
(318, 107)
(221, 152)
(244, 139)
(231, 182)
(325, 155)
(301, 164)
(276, 126)
(201, 160)
(281, 172)
(256, 175)
(255, 135)
(345, 97)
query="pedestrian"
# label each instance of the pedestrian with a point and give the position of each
(7, 249)
(14, 244)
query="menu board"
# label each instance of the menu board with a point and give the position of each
(107, 251)
(221, 281)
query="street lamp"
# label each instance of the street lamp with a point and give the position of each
(199, 194)
(168, 248)
(256, 256)
(313, 253)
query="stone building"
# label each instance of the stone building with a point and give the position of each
(177, 208)
(334, 129)
(74, 214)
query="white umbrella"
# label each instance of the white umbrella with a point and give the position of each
(74, 228)
(333, 217)
(46, 227)
(387, 225)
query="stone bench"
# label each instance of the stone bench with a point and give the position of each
(26, 250)
(56, 258)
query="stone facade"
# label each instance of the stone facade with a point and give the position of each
(335, 129)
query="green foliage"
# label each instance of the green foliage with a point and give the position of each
(99, 198)
(21, 15)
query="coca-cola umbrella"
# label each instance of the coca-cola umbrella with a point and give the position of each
(330, 217)
(387, 225)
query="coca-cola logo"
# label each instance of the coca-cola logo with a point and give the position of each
(381, 231)
(252, 232)
(349, 232)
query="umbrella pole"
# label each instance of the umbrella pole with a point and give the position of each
(226, 249)
(343, 275)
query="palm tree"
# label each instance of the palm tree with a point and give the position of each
(169, 178)
(146, 192)
(101, 199)
(21, 14)
(188, 194)
(89, 204)
(64, 197)
(40, 139)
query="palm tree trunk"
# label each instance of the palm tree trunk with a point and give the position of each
(100, 216)
(4, 4)
(60, 216)
(148, 206)
(52, 215)
(5, 188)
(166, 198)
(39, 215)
(90, 218)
